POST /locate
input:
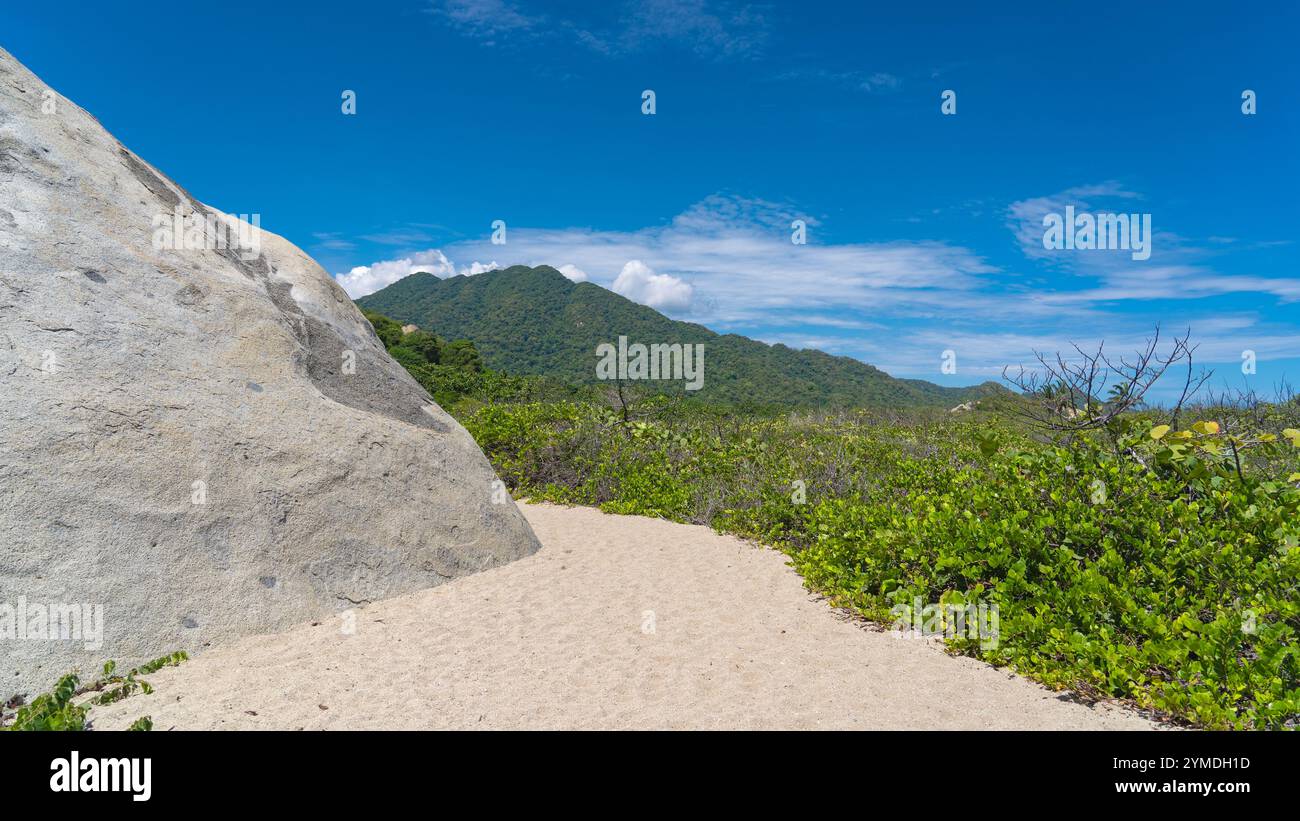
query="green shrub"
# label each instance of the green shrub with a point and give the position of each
(63, 708)
(1126, 560)
(1162, 572)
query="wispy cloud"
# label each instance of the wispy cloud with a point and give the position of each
(868, 81)
(729, 263)
(710, 29)
(366, 279)
(405, 237)
(737, 261)
(984, 355)
(1025, 217)
(1177, 270)
(485, 19)
(332, 241)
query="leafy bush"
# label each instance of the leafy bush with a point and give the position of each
(1126, 559)
(1139, 563)
(62, 709)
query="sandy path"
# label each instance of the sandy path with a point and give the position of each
(558, 640)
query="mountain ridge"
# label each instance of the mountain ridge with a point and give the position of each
(534, 320)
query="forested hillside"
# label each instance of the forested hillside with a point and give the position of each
(535, 321)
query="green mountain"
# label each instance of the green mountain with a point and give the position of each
(535, 321)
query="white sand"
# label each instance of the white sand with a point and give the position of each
(561, 640)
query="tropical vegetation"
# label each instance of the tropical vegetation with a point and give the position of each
(1136, 553)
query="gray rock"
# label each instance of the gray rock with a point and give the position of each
(196, 444)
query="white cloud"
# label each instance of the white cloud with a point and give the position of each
(1025, 217)
(331, 241)
(366, 279)
(475, 268)
(639, 283)
(484, 18)
(982, 355)
(879, 81)
(876, 81)
(728, 262)
(732, 260)
(711, 29)
(573, 272)
(407, 237)
(740, 264)
(1172, 273)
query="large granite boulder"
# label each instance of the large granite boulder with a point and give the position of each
(200, 435)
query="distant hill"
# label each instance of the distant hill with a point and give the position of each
(535, 321)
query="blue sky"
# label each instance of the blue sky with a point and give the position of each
(924, 230)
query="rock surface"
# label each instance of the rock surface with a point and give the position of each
(196, 444)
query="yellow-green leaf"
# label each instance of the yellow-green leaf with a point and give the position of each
(1159, 431)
